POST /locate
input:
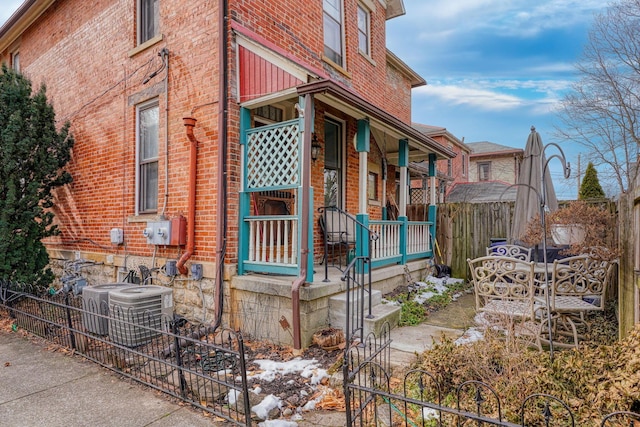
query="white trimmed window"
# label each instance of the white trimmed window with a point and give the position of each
(15, 61)
(484, 171)
(333, 31)
(364, 30)
(148, 116)
(148, 19)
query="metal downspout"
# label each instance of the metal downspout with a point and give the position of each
(221, 232)
(190, 123)
(304, 221)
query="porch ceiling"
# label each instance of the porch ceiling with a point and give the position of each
(386, 129)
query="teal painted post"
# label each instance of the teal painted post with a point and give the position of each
(433, 209)
(311, 247)
(363, 144)
(403, 162)
(362, 235)
(245, 205)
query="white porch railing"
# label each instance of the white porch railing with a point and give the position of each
(418, 238)
(273, 239)
(388, 243)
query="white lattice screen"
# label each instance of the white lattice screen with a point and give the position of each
(273, 156)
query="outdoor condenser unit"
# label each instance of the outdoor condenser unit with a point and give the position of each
(95, 304)
(138, 313)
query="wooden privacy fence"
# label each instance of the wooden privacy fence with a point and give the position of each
(464, 230)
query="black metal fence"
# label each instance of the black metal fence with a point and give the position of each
(371, 399)
(200, 366)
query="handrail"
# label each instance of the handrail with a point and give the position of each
(358, 283)
(343, 242)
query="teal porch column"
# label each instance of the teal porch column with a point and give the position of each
(245, 204)
(363, 138)
(403, 162)
(433, 208)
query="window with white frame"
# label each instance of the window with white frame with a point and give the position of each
(148, 116)
(333, 28)
(148, 19)
(484, 171)
(15, 61)
(464, 164)
(364, 32)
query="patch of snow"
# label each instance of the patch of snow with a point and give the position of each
(429, 414)
(232, 396)
(306, 368)
(470, 335)
(268, 403)
(256, 390)
(278, 423)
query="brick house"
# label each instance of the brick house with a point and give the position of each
(454, 169)
(208, 134)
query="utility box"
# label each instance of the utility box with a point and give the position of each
(117, 236)
(178, 231)
(158, 232)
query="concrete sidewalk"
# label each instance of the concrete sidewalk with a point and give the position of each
(44, 388)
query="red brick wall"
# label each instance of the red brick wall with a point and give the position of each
(80, 50)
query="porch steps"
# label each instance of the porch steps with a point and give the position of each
(380, 312)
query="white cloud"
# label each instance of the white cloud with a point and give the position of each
(519, 18)
(496, 95)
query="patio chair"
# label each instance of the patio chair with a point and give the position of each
(338, 233)
(578, 286)
(513, 251)
(505, 292)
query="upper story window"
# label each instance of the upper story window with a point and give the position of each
(484, 171)
(464, 164)
(15, 61)
(333, 31)
(449, 167)
(147, 156)
(364, 30)
(148, 19)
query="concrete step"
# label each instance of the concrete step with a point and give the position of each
(338, 306)
(380, 313)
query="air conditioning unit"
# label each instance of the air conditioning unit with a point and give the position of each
(138, 313)
(95, 305)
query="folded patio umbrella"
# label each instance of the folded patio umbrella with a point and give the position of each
(529, 188)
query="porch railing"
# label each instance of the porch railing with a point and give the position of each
(400, 241)
(273, 240)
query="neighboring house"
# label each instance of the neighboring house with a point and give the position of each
(452, 170)
(494, 162)
(208, 134)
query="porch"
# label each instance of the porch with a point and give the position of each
(287, 190)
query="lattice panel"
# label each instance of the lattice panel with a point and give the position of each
(273, 156)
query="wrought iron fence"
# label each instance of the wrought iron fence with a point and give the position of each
(371, 397)
(200, 366)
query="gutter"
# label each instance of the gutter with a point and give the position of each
(221, 208)
(331, 88)
(190, 123)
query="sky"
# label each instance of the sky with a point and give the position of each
(494, 68)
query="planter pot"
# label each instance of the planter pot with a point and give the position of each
(567, 234)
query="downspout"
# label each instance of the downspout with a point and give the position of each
(304, 221)
(221, 232)
(190, 123)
